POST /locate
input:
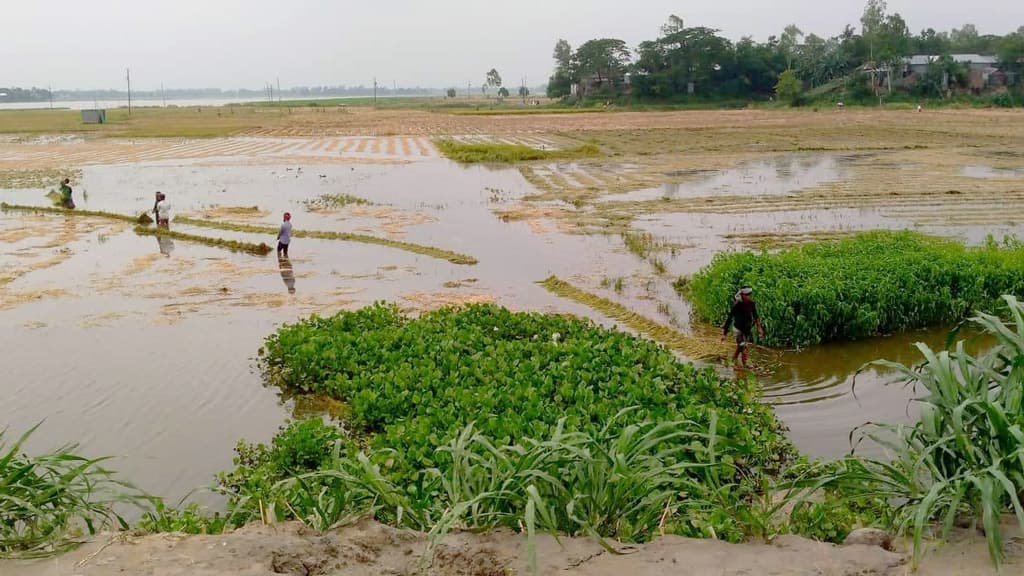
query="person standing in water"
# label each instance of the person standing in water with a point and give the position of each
(65, 194)
(284, 236)
(163, 211)
(743, 315)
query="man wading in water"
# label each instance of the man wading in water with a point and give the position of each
(743, 315)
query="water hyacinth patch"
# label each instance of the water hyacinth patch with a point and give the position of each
(866, 285)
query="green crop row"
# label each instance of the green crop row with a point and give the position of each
(411, 384)
(453, 257)
(869, 284)
(473, 153)
(140, 219)
(260, 249)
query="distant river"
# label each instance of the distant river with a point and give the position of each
(110, 104)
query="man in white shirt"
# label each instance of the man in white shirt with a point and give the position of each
(163, 212)
(284, 236)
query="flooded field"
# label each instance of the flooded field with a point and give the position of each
(145, 348)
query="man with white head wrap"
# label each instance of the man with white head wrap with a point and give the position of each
(743, 315)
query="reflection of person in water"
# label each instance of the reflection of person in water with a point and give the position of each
(166, 245)
(287, 274)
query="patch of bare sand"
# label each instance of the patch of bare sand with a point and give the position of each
(391, 221)
(427, 301)
(233, 213)
(367, 548)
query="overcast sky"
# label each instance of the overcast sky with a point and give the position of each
(436, 43)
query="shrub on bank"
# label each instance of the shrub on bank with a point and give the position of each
(869, 284)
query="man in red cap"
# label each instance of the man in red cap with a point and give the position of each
(284, 236)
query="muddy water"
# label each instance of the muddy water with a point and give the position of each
(779, 175)
(145, 349)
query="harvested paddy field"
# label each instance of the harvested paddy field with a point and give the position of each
(142, 346)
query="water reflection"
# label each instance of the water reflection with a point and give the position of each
(777, 176)
(821, 397)
(287, 274)
(166, 245)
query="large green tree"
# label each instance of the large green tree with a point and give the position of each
(605, 61)
(560, 83)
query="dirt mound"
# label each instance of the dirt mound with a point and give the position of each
(368, 548)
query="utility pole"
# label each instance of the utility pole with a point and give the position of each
(278, 89)
(163, 95)
(128, 76)
(50, 90)
(469, 90)
(374, 91)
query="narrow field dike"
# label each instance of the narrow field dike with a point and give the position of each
(261, 249)
(870, 284)
(453, 257)
(474, 153)
(75, 212)
(692, 347)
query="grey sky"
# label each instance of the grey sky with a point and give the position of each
(438, 43)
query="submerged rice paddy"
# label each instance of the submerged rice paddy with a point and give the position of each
(142, 346)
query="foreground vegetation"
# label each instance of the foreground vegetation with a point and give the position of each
(49, 502)
(476, 153)
(862, 286)
(962, 463)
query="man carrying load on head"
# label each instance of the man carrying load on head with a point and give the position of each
(744, 316)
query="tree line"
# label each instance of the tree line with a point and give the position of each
(696, 61)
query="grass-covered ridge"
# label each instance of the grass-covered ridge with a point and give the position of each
(411, 384)
(691, 346)
(141, 218)
(475, 153)
(453, 257)
(869, 284)
(261, 249)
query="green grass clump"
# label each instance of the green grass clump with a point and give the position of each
(857, 287)
(261, 249)
(474, 153)
(453, 257)
(333, 201)
(49, 501)
(411, 384)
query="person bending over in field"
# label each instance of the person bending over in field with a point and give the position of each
(65, 194)
(743, 315)
(284, 236)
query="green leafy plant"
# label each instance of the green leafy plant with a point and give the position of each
(190, 519)
(49, 501)
(409, 384)
(868, 284)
